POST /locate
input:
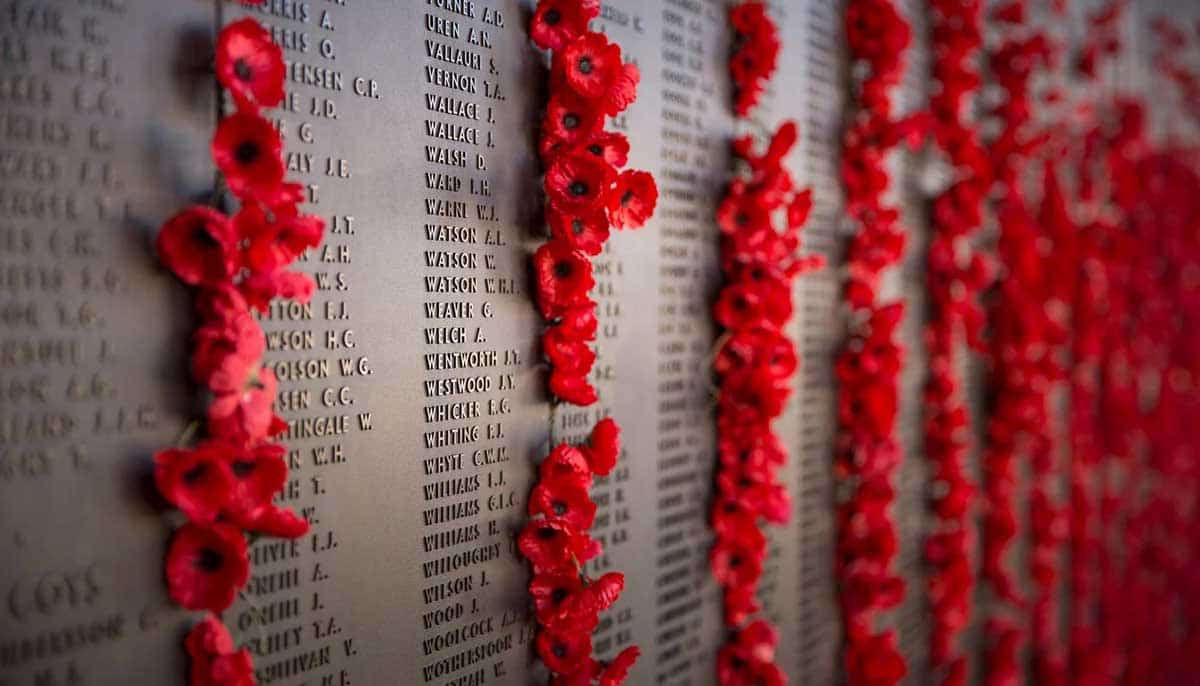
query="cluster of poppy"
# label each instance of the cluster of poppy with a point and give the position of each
(1020, 372)
(755, 362)
(226, 482)
(556, 543)
(585, 191)
(955, 276)
(868, 366)
(755, 53)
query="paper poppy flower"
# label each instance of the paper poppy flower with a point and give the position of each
(586, 232)
(611, 147)
(578, 322)
(214, 662)
(564, 652)
(631, 203)
(246, 148)
(566, 460)
(226, 353)
(197, 481)
(259, 473)
(221, 303)
(206, 565)
(199, 245)
(604, 446)
(569, 125)
(246, 416)
(563, 277)
(567, 356)
(557, 22)
(259, 289)
(250, 65)
(572, 388)
(736, 564)
(616, 671)
(551, 545)
(550, 593)
(279, 522)
(564, 498)
(577, 183)
(592, 68)
(275, 244)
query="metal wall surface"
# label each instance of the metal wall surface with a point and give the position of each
(411, 383)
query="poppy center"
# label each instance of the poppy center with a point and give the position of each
(585, 65)
(242, 467)
(735, 561)
(559, 595)
(242, 69)
(571, 121)
(626, 197)
(577, 227)
(596, 150)
(553, 17)
(559, 650)
(546, 533)
(202, 237)
(563, 270)
(209, 560)
(578, 188)
(246, 153)
(560, 508)
(194, 474)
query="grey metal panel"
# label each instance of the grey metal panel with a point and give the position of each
(104, 122)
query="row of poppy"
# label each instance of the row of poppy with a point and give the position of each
(1023, 339)
(760, 218)
(567, 603)
(868, 366)
(224, 485)
(955, 276)
(586, 194)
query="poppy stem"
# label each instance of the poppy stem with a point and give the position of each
(189, 432)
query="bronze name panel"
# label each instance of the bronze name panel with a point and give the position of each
(411, 383)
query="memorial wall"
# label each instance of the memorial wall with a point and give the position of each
(412, 383)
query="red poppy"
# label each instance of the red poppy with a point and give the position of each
(604, 446)
(196, 481)
(246, 148)
(564, 652)
(563, 277)
(227, 352)
(579, 322)
(279, 522)
(573, 388)
(250, 65)
(260, 289)
(213, 659)
(259, 473)
(221, 303)
(741, 603)
(552, 545)
(564, 498)
(586, 232)
(592, 68)
(206, 565)
(557, 22)
(876, 660)
(737, 563)
(566, 460)
(246, 416)
(565, 355)
(570, 123)
(577, 183)
(199, 245)
(631, 203)
(611, 147)
(550, 593)
(275, 244)
(617, 670)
